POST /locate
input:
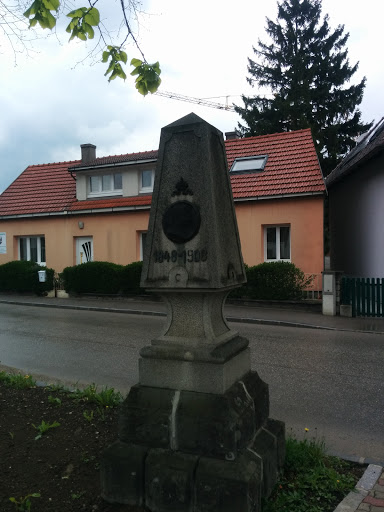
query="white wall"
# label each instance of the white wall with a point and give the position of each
(357, 222)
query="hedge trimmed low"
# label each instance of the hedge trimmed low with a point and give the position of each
(22, 276)
(268, 281)
(103, 277)
(280, 280)
(93, 277)
(130, 278)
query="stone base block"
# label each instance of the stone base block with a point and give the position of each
(199, 376)
(196, 452)
(277, 428)
(198, 423)
(122, 473)
(229, 486)
(265, 446)
(169, 480)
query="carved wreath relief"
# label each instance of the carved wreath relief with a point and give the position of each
(181, 223)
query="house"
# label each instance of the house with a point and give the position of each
(95, 208)
(356, 208)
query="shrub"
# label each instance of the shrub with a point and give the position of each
(22, 276)
(130, 278)
(93, 277)
(278, 280)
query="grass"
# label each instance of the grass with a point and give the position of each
(17, 381)
(311, 481)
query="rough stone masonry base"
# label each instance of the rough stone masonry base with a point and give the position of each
(190, 451)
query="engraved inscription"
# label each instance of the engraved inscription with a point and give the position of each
(186, 256)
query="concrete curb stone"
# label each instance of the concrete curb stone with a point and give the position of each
(362, 498)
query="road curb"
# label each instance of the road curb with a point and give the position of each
(235, 319)
(366, 483)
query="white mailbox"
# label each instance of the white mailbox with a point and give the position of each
(42, 276)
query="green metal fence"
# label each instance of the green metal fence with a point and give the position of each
(366, 296)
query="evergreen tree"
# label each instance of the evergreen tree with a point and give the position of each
(306, 68)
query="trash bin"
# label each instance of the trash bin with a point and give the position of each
(42, 276)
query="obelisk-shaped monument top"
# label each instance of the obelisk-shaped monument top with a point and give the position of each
(193, 240)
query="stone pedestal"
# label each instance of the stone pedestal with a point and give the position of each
(193, 451)
(194, 434)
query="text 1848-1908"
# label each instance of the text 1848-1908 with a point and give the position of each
(186, 256)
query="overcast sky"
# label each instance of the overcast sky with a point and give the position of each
(49, 106)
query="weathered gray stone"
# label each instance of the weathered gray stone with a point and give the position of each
(145, 416)
(259, 392)
(219, 426)
(169, 481)
(229, 486)
(194, 375)
(194, 434)
(193, 241)
(122, 473)
(277, 428)
(265, 445)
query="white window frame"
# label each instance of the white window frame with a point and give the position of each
(277, 228)
(146, 189)
(28, 247)
(104, 193)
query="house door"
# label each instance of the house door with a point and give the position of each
(84, 249)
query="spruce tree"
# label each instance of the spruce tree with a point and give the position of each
(306, 71)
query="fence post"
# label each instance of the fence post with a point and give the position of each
(331, 292)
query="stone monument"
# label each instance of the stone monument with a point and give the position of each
(194, 433)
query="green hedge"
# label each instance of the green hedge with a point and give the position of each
(92, 277)
(278, 280)
(130, 278)
(103, 277)
(22, 276)
(268, 281)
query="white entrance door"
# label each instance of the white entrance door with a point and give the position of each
(84, 249)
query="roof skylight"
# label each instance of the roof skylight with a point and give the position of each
(249, 164)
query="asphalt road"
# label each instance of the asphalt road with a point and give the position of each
(331, 382)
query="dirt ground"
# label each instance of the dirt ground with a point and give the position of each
(62, 465)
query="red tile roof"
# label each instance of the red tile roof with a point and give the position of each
(47, 188)
(292, 168)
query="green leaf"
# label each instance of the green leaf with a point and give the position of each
(123, 57)
(153, 86)
(136, 63)
(92, 17)
(29, 12)
(77, 13)
(105, 56)
(52, 5)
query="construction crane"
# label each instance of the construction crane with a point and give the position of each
(197, 101)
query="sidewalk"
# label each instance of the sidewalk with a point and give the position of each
(241, 311)
(368, 495)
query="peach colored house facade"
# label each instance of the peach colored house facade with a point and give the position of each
(98, 208)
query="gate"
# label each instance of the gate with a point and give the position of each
(365, 295)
